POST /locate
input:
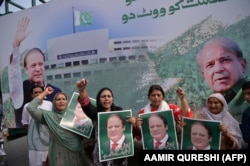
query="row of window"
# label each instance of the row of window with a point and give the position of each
(93, 61)
(67, 64)
(67, 75)
(81, 74)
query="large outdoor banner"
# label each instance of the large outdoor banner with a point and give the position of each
(126, 45)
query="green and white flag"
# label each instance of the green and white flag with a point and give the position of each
(82, 18)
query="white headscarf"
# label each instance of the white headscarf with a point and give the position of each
(163, 107)
(225, 117)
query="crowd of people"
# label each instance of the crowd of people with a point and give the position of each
(65, 146)
(41, 106)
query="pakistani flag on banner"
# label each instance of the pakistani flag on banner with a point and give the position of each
(82, 18)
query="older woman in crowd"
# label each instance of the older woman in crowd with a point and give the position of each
(217, 109)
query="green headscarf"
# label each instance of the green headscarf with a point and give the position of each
(67, 138)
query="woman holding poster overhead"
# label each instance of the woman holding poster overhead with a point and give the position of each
(217, 109)
(156, 103)
(104, 103)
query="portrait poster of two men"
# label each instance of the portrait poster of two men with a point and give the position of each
(115, 135)
(75, 119)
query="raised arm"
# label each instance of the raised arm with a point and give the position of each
(33, 109)
(21, 32)
(84, 99)
(81, 86)
(14, 69)
(184, 103)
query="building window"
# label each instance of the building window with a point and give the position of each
(85, 62)
(58, 76)
(135, 47)
(141, 57)
(93, 61)
(67, 75)
(126, 41)
(50, 77)
(77, 74)
(53, 66)
(60, 65)
(86, 73)
(118, 49)
(126, 48)
(117, 42)
(102, 60)
(132, 57)
(76, 63)
(112, 59)
(136, 41)
(122, 58)
(68, 64)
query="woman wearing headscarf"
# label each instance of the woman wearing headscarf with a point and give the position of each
(217, 109)
(104, 103)
(64, 146)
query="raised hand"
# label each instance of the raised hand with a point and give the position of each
(81, 84)
(180, 92)
(49, 90)
(21, 32)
